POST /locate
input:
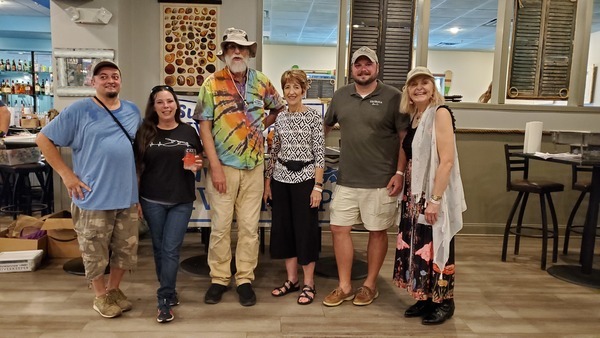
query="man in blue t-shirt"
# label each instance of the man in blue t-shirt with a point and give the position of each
(4, 119)
(102, 183)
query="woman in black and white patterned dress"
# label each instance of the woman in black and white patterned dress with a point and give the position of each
(293, 185)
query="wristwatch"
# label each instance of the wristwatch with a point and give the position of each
(436, 197)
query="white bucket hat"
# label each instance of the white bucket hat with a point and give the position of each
(239, 37)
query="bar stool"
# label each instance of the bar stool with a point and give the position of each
(524, 187)
(583, 185)
(17, 190)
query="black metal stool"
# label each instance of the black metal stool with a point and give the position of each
(583, 185)
(525, 187)
(17, 190)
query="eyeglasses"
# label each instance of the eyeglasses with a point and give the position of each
(158, 88)
(233, 46)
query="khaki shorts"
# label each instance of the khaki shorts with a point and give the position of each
(101, 230)
(372, 207)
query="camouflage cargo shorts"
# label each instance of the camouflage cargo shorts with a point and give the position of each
(101, 230)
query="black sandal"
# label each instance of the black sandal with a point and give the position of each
(305, 294)
(286, 288)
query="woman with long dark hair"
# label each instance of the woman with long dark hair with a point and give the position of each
(167, 189)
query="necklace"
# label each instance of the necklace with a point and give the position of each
(237, 89)
(418, 116)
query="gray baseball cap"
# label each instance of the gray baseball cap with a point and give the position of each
(365, 51)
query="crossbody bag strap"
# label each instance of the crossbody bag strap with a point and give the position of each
(116, 120)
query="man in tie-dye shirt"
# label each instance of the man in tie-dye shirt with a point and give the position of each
(231, 113)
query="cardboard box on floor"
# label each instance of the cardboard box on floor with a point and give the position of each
(62, 239)
(19, 244)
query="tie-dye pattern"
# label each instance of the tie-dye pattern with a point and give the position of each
(237, 124)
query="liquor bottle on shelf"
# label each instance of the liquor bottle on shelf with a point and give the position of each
(1, 64)
(14, 66)
(19, 66)
(37, 88)
(7, 65)
(47, 88)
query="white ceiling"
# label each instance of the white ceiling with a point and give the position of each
(315, 22)
(23, 8)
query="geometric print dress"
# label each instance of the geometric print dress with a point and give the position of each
(414, 269)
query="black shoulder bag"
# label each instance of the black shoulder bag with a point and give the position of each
(117, 121)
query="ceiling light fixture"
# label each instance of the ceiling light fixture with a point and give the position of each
(454, 30)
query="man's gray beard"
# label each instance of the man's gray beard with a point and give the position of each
(237, 67)
(112, 95)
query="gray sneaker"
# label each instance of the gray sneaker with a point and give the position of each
(106, 307)
(120, 299)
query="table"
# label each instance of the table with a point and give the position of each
(583, 274)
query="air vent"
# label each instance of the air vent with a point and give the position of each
(448, 43)
(491, 23)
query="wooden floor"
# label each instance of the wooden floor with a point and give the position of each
(493, 298)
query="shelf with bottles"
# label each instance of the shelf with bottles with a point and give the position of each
(26, 73)
(17, 65)
(5, 73)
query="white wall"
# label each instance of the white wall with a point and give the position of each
(279, 58)
(67, 34)
(594, 59)
(134, 33)
(471, 71)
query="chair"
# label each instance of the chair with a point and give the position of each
(583, 185)
(18, 191)
(524, 187)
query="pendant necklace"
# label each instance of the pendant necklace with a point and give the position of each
(237, 89)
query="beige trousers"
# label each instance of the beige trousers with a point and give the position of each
(244, 195)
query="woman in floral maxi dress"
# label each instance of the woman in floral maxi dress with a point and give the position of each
(432, 208)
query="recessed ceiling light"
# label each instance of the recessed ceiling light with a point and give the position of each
(454, 30)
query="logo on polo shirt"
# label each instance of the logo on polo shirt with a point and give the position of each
(375, 102)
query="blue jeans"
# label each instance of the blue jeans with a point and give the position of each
(168, 225)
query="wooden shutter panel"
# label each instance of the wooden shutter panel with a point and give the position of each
(542, 49)
(386, 26)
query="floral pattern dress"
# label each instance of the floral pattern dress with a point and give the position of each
(414, 269)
